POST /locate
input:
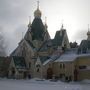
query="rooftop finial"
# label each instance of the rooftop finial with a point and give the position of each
(38, 4)
(88, 27)
(37, 13)
(45, 20)
(62, 24)
(46, 23)
(29, 21)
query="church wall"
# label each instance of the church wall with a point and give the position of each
(45, 68)
(63, 70)
(83, 67)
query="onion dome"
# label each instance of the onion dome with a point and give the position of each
(37, 13)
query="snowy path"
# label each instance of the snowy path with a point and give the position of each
(40, 85)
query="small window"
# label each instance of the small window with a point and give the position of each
(63, 65)
(60, 65)
(29, 64)
(38, 70)
(82, 67)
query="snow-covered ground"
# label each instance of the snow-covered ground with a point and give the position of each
(33, 84)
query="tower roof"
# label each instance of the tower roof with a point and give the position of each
(37, 29)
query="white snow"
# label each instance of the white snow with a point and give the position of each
(69, 57)
(47, 61)
(33, 84)
(66, 58)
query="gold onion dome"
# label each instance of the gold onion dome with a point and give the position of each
(37, 12)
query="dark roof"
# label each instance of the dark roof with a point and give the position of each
(44, 58)
(19, 62)
(57, 41)
(37, 29)
(85, 44)
(46, 45)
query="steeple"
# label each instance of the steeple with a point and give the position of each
(88, 33)
(62, 26)
(37, 4)
(29, 25)
(46, 23)
(37, 13)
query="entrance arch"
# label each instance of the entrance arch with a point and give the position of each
(49, 73)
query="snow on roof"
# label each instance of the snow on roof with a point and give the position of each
(47, 61)
(83, 55)
(70, 57)
(66, 58)
(52, 58)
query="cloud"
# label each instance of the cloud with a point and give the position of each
(13, 20)
(80, 35)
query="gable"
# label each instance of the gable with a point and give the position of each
(19, 62)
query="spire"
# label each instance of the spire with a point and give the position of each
(62, 25)
(29, 22)
(37, 4)
(45, 20)
(46, 23)
(88, 33)
(37, 13)
(88, 27)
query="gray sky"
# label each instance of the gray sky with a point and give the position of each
(14, 18)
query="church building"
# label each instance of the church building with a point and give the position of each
(39, 56)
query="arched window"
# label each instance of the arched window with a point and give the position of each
(29, 64)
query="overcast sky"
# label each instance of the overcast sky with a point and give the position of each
(14, 18)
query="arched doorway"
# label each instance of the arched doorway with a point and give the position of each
(49, 73)
(75, 75)
(13, 72)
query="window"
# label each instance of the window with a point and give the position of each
(29, 64)
(82, 67)
(60, 65)
(63, 65)
(38, 70)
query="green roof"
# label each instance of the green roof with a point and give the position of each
(57, 41)
(19, 62)
(37, 29)
(84, 46)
